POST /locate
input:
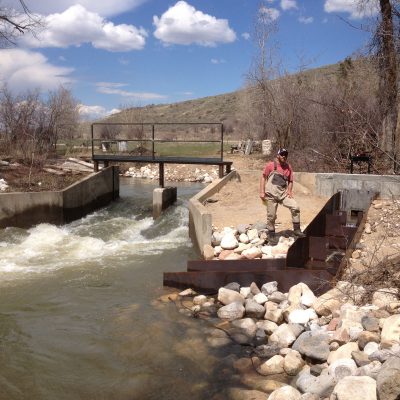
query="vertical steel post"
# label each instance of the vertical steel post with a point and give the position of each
(152, 144)
(161, 174)
(222, 141)
(91, 129)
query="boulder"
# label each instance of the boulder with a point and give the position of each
(267, 350)
(313, 345)
(370, 324)
(342, 352)
(320, 385)
(329, 302)
(367, 337)
(273, 313)
(391, 331)
(277, 297)
(252, 253)
(285, 393)
(355, 388)
(382, 297)
(229, 241)
(246, 326)
(293, 362)
(260, 298)
(227, 296)
(231, 311)
(285, 335)
(388, 379)
(269, 287)
(372, 369)
(272, 366)
(253, 309)
(254, 288)
(342, 368)
(267, 326)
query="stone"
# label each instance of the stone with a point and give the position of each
(277, 297)
(341, 368)
(272, 366)
(309, 396)
(187, 292)
(253, 309)
(382, 297)
(273, 313)
(285, 335)
(341, 335)
(320, 385)
(233, 286)
(372, 369)
(370, 324)
(246, 326)
(245, 291)
(269, 287)
(388, 379)
(329, 302)
(390, 332)
(252, 253)
(267, 350)
(243, 238)
(293, 362)
(216, 238)
(371, 347)
(315, 346)
(342, 352)
(285, 393)
(227, 296)
(355, 388)
(381, 355)
(229, 241)
(231, 311)
(254, 288)
(294, 294)
(199, 300)
(242, 228)
(268, 327)
(300, 316)
(316, 369)
(360, 358)
(260, 298)
(252, 234)
(367, 337)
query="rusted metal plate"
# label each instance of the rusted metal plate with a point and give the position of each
(318, 248)
(236, 265)
(334, 226)
(210, 281)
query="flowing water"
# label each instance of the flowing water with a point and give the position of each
(77, 313)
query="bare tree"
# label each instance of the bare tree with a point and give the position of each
(15, 23)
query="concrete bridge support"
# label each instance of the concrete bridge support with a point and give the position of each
(162, 199)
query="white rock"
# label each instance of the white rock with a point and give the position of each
(370, 348)
(267, 326)
(355, 388)
(272, 366)
(343, 352)
(245, 291)
(299, 317)
(231, 311)
(243, 238)
(269, 287)
(260, 298)
(341, 368)
(252, 253)
(390, 332)
(227, 296)
(200, 300)
(252, 234)
(229, 241)
(285, 393)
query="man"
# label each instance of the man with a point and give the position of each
(276, 185)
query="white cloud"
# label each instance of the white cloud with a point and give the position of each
(271, 14)
(114, 88)
(218, 61)
(352, 7)
(246, 35)
(104, 8)
(93, 112)
(288, 4)
(306, 20)
(22, 69)
(183, 24)
(76, 26)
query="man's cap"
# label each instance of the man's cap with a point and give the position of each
(283, 152)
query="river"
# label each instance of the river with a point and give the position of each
(78, 318)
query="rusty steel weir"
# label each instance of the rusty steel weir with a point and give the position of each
(317, 260)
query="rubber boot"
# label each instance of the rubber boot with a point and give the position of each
(272, 239)
(297, 231)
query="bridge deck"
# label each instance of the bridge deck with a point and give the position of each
(106, 158)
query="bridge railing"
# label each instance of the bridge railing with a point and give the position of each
(158, 140)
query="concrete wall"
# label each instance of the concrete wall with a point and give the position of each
(387, 186)
(162, 199)
(200, 222)
(28, 209)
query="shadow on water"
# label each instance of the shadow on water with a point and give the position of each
(78, 317)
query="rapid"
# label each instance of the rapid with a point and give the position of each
(78, 312)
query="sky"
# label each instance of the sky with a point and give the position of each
(131, 53)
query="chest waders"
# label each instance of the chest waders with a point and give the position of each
(276, 190)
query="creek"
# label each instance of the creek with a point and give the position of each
(78, 316)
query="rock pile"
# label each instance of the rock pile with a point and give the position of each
(177, 173)
(3, 185)
(327, 347)
(245, 242)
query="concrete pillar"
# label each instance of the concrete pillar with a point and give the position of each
(163, 198)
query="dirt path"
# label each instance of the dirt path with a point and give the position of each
(238, 201)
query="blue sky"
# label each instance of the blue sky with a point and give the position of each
(120, 53)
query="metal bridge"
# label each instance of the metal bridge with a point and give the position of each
(160, 143)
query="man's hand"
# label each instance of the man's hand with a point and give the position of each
(262, 196)
(290, 194)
